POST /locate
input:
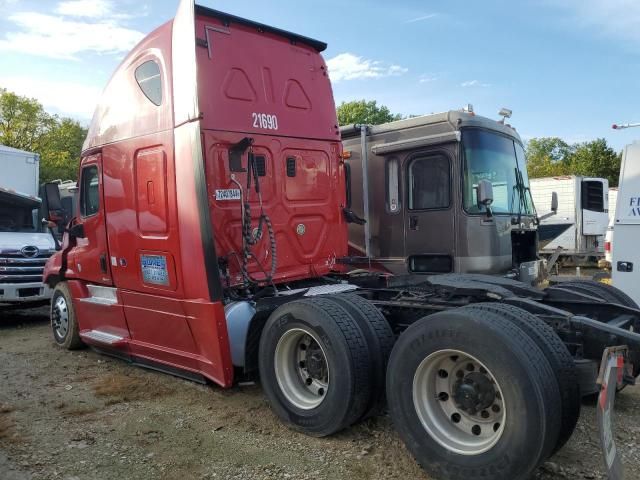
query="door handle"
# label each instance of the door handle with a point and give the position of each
(413, 222)
(103, 263)
(625, 266)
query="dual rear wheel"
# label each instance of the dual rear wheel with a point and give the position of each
(484, 391)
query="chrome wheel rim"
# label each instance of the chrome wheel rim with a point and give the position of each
(459, 402)
(301, 368)
(60, 317)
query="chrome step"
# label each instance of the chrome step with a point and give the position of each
(102, 337)
(101, 295)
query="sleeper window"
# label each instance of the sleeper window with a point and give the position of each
(90, 193)
(429, 183)
(148, 78)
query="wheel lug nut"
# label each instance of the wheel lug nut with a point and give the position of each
(476, 430)
(455, 418)
(443, 396)
(308, 381)
(484, 414)
(443, 373)
(495, 408)
(470, 367)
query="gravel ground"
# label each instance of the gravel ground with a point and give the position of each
(81, 415)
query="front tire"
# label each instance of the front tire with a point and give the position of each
(64, 323)
(314, 366)
(504, 417)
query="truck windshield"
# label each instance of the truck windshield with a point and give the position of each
(14, 219)
(500, 160)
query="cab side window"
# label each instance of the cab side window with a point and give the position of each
(429, 183)
(149, 81)
(89, 191)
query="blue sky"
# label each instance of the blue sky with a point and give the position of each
(567, 68)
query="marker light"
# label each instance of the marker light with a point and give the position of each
(505, 113)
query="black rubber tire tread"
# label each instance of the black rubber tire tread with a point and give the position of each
(608, 293)
(351, 340)
(72, 340)
(559, 357)
(605, 292)
(445, 328)
(380, 338)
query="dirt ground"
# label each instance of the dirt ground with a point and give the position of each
(81, 415)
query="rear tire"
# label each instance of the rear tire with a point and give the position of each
(64, 323)
(380, 339)
(524, 382)
(558, 356)
(314, 366)
(607, 293)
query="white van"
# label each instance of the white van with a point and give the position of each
(625, 265)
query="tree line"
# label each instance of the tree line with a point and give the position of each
(546, 156)
(24, 124)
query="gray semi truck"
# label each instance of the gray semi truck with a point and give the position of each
(443, 193)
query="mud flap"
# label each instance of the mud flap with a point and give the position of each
(610, 377)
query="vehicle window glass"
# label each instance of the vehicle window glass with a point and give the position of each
(149, 80)
(500, 160)
(89, 194)
(429, 183)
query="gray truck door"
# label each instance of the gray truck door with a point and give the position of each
(429, 225)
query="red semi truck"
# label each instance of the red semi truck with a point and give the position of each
(210, 241)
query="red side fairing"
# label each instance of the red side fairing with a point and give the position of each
(258, 85)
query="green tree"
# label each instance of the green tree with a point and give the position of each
(24, 124)
(362, 111)
(596, 159)
(548, 156)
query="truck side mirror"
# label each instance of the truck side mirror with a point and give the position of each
(554, 201)
(77, 231)
(485, 193)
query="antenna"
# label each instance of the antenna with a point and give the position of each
(622, 126)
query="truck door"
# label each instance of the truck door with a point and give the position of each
(429, 229)
(90, 254)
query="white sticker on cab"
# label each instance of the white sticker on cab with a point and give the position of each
(228, 194)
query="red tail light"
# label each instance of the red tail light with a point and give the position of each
(607, 246)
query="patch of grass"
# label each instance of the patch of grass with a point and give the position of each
(118, 388)
(7, 429)
(79, 410)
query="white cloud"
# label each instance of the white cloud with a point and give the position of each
(68, 98)
(615, 18)
(94, 28)
(347, 66)
(422, 18)
(85, 8)
(474, 83)
(427, 78)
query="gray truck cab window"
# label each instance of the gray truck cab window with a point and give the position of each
(89, 191)
(429, 183)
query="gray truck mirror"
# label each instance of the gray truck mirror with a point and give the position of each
(485, 193)
(554, 201)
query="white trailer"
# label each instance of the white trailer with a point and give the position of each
(24, 246)
(579, 225)
(626, 260)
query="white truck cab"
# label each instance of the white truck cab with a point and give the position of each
(25, 246)
(625, 267)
